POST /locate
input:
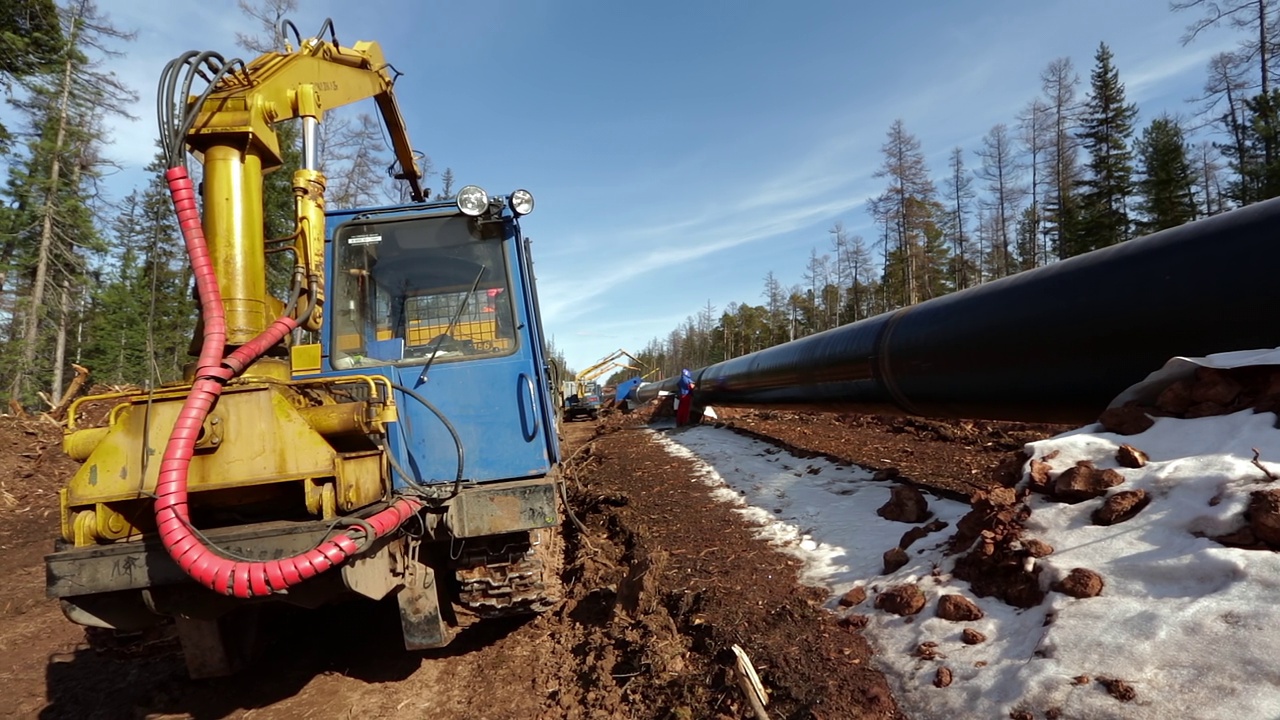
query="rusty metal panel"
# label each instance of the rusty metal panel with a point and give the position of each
(360, 479)
(503, 508)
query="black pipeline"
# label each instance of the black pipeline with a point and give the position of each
(1054, 344)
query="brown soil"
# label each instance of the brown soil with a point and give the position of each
(660, 587)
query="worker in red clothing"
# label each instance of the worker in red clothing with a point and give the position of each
(685, 394)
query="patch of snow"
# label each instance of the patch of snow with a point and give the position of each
(1190, 624)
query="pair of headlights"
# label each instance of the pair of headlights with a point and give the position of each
(473, 201)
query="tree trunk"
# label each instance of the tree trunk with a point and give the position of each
(60, 345)
(31, 333)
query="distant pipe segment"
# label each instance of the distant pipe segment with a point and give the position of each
(1054, 344)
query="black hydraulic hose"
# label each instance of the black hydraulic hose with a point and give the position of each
(282, 32)
(457, 439)
(1054, 344)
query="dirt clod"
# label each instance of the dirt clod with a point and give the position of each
(1118, 689)
(1083, 482)
(895, 559)
(910, 537)
(854, 596)
(1037, 548)
(928, 651)
(906, 504)
(1038, 476)
(1080, 583)
(855, 621)
(901, 600)
(1122, 506)
(994, 564)
(942, 678)
(972, 637)
(1130, 456)
(958, 608)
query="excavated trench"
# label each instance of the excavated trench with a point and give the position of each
(659, 588)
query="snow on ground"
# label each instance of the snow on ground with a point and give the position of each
(1190, 624)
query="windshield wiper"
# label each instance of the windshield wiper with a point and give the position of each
(435, 348)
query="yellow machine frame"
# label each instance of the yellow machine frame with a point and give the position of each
(274, 426)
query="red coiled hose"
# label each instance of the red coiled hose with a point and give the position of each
(220, 574)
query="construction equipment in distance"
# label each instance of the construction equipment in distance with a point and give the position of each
(409, 454)
(584, 396)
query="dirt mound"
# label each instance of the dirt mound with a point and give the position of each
(995, 561)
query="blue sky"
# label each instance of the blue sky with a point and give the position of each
(679, 151)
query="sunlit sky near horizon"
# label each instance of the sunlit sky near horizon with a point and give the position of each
(679, 151)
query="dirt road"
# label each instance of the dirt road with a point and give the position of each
(659, 588)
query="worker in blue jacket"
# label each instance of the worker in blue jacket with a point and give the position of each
(685, 393)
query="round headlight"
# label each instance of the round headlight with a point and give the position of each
(472, 200)
(521, 202)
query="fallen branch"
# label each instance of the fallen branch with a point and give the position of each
(1258, 464)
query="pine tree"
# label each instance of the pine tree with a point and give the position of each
(1035, 127)
(1256, 177)
(907, 210)
(817, 274)
(1026, 239)
(1061, 209)
(1005, 195)
(1209, 174)
(959, 195)
(1165, 197)
(446, 185)
(1106, 130)
(1255, 57)
(51, 190)
(30, 43)
(776, 298)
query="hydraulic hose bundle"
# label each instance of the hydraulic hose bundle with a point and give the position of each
(243, 579)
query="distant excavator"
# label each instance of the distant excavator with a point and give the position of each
(583, 396)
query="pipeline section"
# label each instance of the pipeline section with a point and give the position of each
(1054, 344)
(180, 539)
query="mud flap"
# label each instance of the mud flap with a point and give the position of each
(420, 619)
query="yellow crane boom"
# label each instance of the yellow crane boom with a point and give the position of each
(233, 136)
